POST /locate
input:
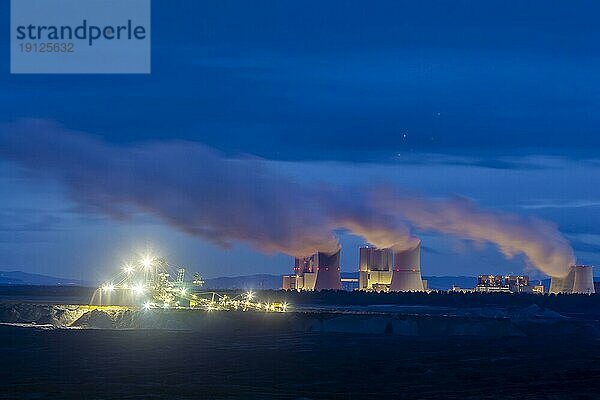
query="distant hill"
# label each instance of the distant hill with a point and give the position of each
(24, 278)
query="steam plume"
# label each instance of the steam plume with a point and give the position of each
(539, 241)
(199, 191)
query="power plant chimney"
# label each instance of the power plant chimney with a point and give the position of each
(328, 271)
(407, 271)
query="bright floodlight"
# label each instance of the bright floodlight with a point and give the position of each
(249, 295)
(146, 262)
(183, 291)
(138, 288)
(109, 287)
(128, 269)
(147, 305)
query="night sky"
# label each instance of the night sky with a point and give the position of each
(493, 101)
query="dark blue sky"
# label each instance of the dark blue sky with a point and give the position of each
(297, 80)
(506, 94)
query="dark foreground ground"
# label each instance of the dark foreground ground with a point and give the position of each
(461, 349)
(159, 364)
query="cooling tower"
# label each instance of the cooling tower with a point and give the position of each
(579, 280)
(584, 279)
(328, 275)
(407, 271)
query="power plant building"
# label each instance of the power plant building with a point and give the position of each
(320, 271)
(380, 270)
(580, 279)
(375, 269)
(507, 283)
(386, 270)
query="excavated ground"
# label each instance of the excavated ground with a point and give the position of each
(530, 321)
(58, 351)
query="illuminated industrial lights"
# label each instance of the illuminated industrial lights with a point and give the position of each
(138, 288)
(146, 262)
(128, 269)
(148, 285)
(109, 287)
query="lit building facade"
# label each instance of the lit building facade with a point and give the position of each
(375, 269)
(507, 283)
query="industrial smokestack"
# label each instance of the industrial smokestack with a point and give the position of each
(580, 280)
(328, 273)
(407, 271)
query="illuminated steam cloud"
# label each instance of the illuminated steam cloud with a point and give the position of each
(189, 186)
(352, 209)
(539, 241)
(198, 191)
